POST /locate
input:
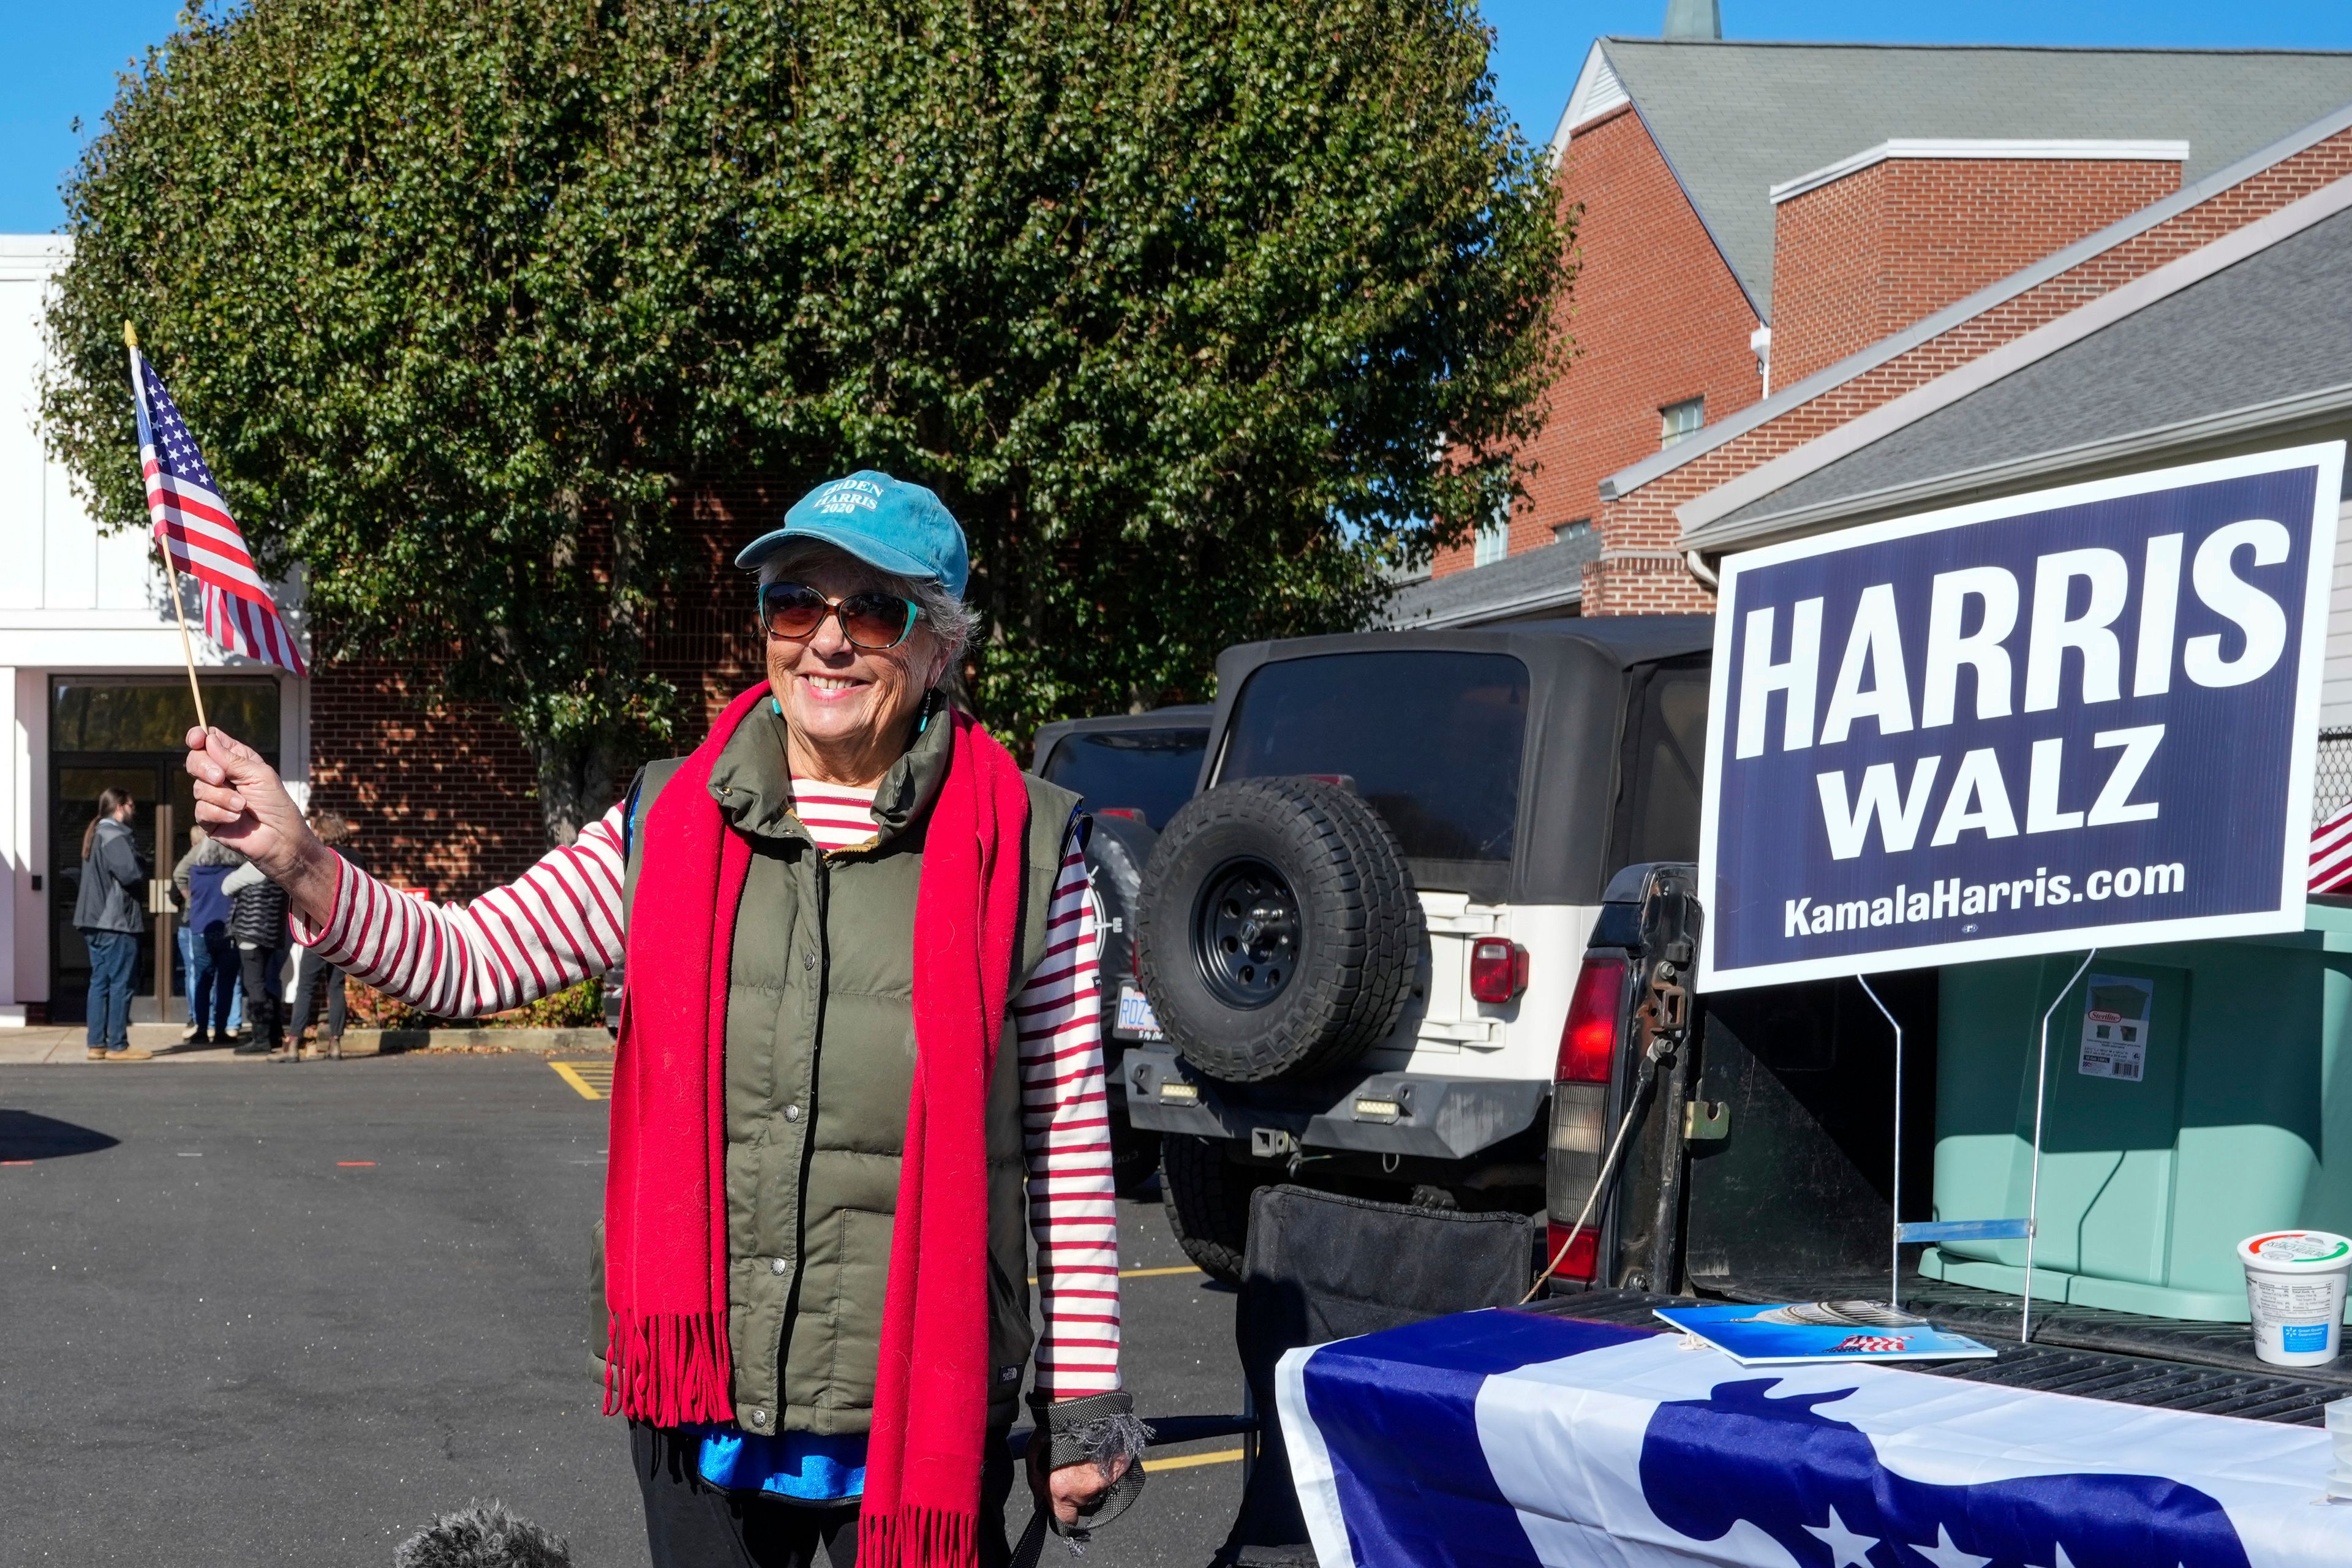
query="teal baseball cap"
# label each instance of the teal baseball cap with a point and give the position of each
(903, 529)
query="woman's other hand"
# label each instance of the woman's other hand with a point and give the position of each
(1074, 1488)
(241, 800)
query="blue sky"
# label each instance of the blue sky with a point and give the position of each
(67, 55)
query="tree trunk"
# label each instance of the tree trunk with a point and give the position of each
(576, 786)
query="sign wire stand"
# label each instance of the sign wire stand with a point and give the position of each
(2033, 1187)
(1895, 1247)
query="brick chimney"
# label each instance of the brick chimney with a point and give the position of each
(1874, 242)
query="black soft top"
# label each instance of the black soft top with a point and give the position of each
(1182, 716)
(1584, 675)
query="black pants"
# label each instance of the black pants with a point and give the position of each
(313, 974)
(690, 1523)
(263, 1013)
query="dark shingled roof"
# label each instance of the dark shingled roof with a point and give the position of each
(1548, 580)
(2272, 333)
(1735, 118)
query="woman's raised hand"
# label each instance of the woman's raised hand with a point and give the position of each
(241, 800)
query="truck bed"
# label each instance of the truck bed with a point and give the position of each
(2210, 1368)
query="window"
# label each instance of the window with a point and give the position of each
(1494, 540)
(1431, 740)
(1150, 771)
(1665, 745)
(1570, 532)
(92, 713)
(1676, 420)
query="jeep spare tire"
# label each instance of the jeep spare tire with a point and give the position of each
(1279, 931)
(1118, 848)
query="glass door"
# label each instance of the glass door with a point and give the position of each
(129, 734)
(73, 808)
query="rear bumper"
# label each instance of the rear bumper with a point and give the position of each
(1435, 1118)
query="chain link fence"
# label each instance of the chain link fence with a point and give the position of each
(2331, 783)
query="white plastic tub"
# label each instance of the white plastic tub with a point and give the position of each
(2295, 1293)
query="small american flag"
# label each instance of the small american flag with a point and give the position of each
(1872, 1344)
(198, 535)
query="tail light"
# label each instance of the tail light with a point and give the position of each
(1588, 1043)
(1131, 813)
(1583, 1253)
(1580, 1110)
(1498, 969)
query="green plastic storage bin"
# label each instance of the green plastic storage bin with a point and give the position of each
(2217, 1111)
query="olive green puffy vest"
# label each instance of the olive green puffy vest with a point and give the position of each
(820, 1060)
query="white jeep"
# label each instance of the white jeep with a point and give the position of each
(1361, 936)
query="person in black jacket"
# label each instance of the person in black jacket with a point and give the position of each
(258, 922)
(108, 915)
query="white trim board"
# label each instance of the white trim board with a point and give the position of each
(1878, 424)
(1597, 91)
(1989, 149)
(33, 257)
(1633, 476)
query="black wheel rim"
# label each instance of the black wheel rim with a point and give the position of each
(1246, 931)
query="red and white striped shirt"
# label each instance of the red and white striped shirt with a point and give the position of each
(560, 922)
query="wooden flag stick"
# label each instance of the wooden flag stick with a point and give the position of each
(171, 576)
(187, 648)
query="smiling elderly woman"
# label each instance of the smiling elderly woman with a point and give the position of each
(861, 1007)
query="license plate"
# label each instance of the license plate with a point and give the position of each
(1135, 1015)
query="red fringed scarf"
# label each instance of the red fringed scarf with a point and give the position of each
(665, 1196)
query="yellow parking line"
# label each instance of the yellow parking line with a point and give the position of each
(1143, 1273)
(1187, 1462)
(566, 1071)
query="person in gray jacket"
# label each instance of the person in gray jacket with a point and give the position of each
(109, 915)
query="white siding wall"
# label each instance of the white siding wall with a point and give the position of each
(52, 558)
(2335, 690)
(72, 601)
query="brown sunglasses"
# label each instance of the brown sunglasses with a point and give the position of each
(870, 619)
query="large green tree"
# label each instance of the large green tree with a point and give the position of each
(1200, 314)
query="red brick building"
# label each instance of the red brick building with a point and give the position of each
(1757, 223)
(1683, 499)
(441, 795)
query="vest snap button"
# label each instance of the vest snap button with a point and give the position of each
(777, 1266)
(808, 959)
(792, 1113)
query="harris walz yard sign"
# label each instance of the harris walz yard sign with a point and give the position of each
(2082, 717)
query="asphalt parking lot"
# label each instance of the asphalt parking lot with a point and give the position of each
(261, 1314)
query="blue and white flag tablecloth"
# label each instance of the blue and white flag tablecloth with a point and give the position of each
(1508, 1439)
